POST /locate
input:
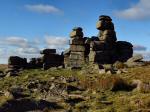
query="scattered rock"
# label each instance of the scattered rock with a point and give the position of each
(124, 71)
(71, 79)
(18, 92)
(8, 95)
(102, 71)
(12, 74)
(109, 72)
(135, 61)
(53, 68)
(141, 86)
(2, 74)
(52, 78)
(134, 64)
(135, 58)
(119, 72)
(33, 84)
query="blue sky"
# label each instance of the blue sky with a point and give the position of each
(27, 26)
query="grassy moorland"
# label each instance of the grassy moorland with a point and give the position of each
(90, 96)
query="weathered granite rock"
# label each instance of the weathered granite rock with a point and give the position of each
(48, 51)
(77, 32)
(17, 62)
(135, 61)
(141, 86)
(135, 58)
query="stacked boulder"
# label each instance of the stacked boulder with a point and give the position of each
(107, 49)
(103, 49)
(77, 48)
(51, 59)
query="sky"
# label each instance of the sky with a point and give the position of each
(28, 26)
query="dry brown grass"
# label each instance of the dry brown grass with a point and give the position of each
(122, 101)
(3, 67)
(141, 73)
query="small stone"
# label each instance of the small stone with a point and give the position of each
(119, 72)
(8, 74)
(124, 71)
(52, 78)
(52, 86)
(14, 73)
(102, 71)
(60, 67)
(7, 94)
(109, 72)
(35, 90)
(53, 68)
(63, 80)
(94, 92)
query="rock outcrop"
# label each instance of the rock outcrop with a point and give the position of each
(103, 49)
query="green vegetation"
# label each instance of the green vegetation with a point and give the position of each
(97, 100)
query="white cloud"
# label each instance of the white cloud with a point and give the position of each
(18, 46)
(139, 48)
(136, 12)
(43, 8)
(30, 50)
(15, 41)
(59, 43)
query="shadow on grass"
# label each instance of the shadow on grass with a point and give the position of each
(24, 105)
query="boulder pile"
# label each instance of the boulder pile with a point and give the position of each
(76, 56)
(100, 50)
(48, 59)
(103, 49)
(51, 59)
(107, 49)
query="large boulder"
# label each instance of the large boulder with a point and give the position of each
(17, 61)
(124, 50)
(105, 23)
(136, 58)
(48, 51)
(135, 61)
(77, 32)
